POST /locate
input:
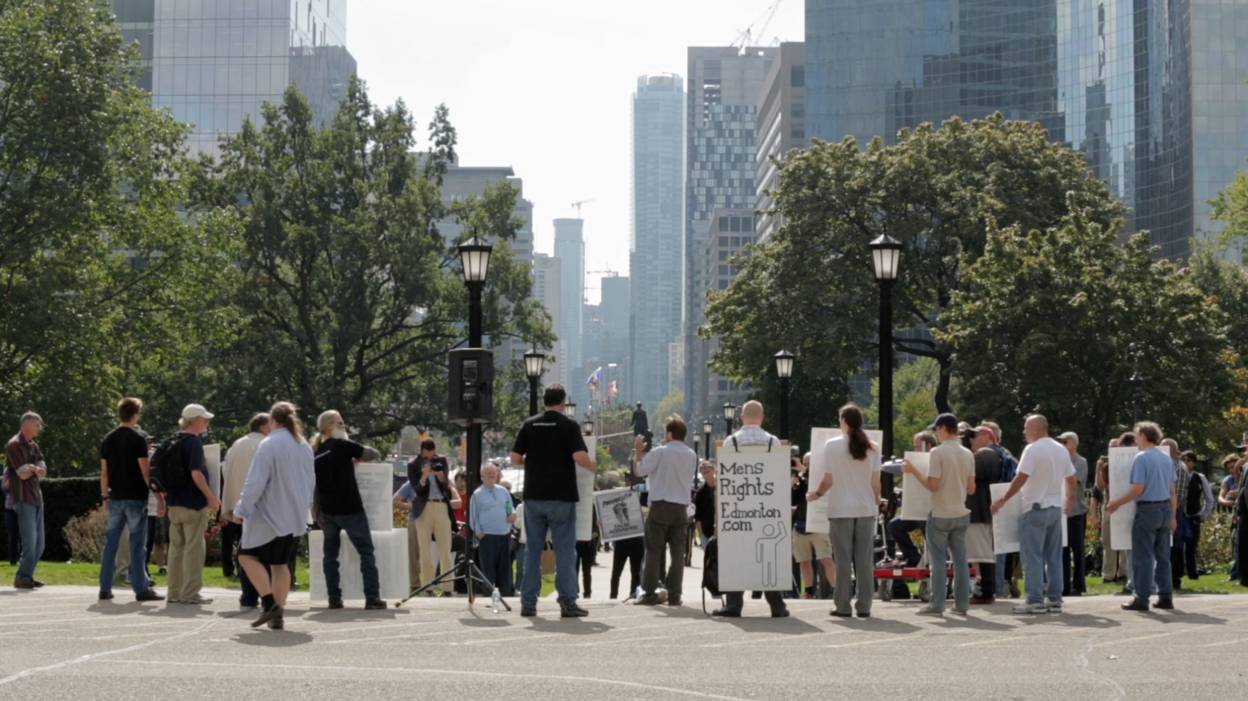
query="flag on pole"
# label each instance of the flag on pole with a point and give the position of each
(595, 377)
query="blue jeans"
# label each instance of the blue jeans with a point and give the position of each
(945, 535)
(30, 523)
(356, 526)
(1040, 536)
(519, 569)
(125, 514)
(1150, 550)
(559, 517)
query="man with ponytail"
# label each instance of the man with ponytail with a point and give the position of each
(273, 510)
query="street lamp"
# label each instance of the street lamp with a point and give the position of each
(730, 413)
(885, 261)
(570, 410)
(534, 364)
(784, 370)
(474, 258)
(708, 427)
(587, 426)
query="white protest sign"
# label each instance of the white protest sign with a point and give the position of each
(212, 460)
(619, 514)
(1007, 523)
(1119, 482)
(390, 551)
(754, 513)
(376, 483)
(585, 495)
(916, 500)
(817, 511)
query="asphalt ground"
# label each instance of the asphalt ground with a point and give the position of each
(60, 643)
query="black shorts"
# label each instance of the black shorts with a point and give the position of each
(278, 551)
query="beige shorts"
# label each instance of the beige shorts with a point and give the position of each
(806, 544)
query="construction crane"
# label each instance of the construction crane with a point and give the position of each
(577, 206)
(747, 35)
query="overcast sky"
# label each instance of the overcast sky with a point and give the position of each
(545, 87)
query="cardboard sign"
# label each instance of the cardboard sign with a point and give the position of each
(753, 512)
(1007, 523)
(916, 500)
(619, 514)
(1119, 483)
(817, 511)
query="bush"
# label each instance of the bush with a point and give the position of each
(63, 499)
(84, 535)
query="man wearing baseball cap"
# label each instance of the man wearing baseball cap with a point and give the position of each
(191, 509)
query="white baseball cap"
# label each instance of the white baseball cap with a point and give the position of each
(194, 411)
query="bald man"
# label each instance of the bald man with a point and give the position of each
(752, 433)
(1046, 481)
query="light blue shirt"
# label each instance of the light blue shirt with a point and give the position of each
(489, 510)
(669, 471)
(277, 495)
(1153, 469)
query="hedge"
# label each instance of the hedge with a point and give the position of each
(63, 499)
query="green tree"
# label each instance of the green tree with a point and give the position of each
(670, 405)
(90, 240)
(350, 295)
(1092, 333)
(1227, 284)
(914, 386)
(1230, 208)
(810, 288)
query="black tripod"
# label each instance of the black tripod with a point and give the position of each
(465, 570)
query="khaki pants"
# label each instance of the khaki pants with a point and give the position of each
(413, 555)
(434, 523)
(186, 552)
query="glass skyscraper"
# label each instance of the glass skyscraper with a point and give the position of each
(211, 63)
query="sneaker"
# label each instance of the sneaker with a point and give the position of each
(36, 582)
(726, 613)
(648, 600)
(528, 612)
(23, 583)
(335, 603)
(841, 614)
(266, 616)
(374, 605)
(106, 596)
(572, 611)
(176, 601)
(197, 600)
(864, 614)
(929, 611)
(1136, 605)
(1053, 607)
(1030, 609)
(961, 612)
(1165, 603)
(148, 595)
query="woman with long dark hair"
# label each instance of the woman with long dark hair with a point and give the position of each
(852, 484)
(273, 509)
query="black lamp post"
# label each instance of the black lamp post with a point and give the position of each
(474, 257)
(569, 410)
(730, 413)
(708, 427)
(587, 426)
(534, 364)
(784, 370)
(886, 260)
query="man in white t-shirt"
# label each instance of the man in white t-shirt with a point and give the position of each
(1046, 484)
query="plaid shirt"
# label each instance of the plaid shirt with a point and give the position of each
(1182, 479)
(20, 452)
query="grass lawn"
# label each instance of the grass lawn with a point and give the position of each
(88, 574)
(1208, 584)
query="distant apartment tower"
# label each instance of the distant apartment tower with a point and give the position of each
(724, 84)
(462, 182)
(655, 259)
(781, 128)
(212, 64)
(617, 319)
(547, 286)
(570, 250)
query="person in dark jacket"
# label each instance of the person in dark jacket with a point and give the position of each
(979, 542)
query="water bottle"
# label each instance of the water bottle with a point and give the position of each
(496, 600)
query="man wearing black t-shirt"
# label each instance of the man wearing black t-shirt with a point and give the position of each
(550, 446)
(341, 509)
(123, 488)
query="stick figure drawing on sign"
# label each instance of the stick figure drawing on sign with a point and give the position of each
(768, 557)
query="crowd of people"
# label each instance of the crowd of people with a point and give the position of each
(275, 481)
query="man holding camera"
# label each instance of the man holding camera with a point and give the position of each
(429, 474)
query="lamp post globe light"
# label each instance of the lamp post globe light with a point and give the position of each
(588, 426)
(570, 410)
(730, 413)
(534, 365)
(886, 264)
(708, 427)
(784, 370)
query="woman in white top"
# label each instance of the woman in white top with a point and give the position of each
(852, 486)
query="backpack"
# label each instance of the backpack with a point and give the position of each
(169, 471)
(1009, 465)
(710, 566)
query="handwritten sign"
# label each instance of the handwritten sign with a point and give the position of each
(754, 513)
(619, 514)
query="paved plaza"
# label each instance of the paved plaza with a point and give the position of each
(60, 643)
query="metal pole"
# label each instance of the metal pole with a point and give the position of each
(727, 427)
(886, 378)
(708, 445)
(784, 408)
(533, 396)
(473, 468)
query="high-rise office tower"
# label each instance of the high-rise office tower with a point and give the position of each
(781, 128)
(724, 84)
(472, 181)
(656, 251)
(617, 324)
(213, 63)
(570, 250)
(547, 286)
